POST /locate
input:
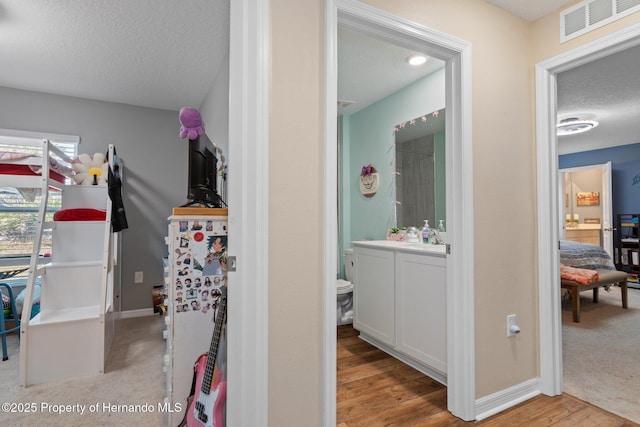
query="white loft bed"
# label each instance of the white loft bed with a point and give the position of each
(23, 169)
(23, 163)
(76, 300)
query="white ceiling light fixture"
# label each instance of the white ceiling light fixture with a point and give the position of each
(574, 125)
(416, 59)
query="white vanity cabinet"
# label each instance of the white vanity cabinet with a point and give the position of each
(421, 308)
(400, 302)
(374, 300)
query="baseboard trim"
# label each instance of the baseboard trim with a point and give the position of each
(504, 399)
(136, 313)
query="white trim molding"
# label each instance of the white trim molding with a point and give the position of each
(507, 398)
(330, 214)
(459, 171)
(248, 322)
(547, 197)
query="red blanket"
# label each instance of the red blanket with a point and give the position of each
(580, 275)
(80, 214)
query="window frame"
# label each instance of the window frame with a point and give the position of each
(69, 144)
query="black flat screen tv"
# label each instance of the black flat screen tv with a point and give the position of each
(202, 189)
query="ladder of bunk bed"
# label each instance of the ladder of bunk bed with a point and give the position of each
(108, 261)
(34, 271)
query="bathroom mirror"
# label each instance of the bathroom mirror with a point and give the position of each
(420, 170)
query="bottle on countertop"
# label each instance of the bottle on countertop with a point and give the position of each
(426, 232)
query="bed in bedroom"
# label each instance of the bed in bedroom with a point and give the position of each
(76, 283)
(23, 162)
(21, 167)
(586, 267)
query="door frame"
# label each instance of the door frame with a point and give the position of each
(606, 203)
(248, 322)
(459, 175)
(550, 319)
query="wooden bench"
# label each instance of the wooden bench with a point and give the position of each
(607, 277)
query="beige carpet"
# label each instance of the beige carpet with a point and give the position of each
(601, 354)
(133, 376)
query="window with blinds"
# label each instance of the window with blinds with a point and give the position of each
(19, 210)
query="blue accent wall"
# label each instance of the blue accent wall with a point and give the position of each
(625, 173)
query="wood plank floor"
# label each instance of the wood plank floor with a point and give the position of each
(374, 389)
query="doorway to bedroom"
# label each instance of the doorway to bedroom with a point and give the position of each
(602, 325)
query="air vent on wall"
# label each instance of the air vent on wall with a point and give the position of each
(591, 14)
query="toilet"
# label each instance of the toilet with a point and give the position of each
(344, 291)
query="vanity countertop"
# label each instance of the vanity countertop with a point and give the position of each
(417, 248)
(585, 227)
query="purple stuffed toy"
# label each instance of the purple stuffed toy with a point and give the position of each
(191, 121)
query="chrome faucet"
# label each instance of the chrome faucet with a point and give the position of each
(436, 238)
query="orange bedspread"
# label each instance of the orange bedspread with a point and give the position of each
(580, 275)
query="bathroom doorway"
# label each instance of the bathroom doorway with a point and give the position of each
(459, 198)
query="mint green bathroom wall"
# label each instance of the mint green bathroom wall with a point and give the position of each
(344, 192)
(441, 177)
(370, 140)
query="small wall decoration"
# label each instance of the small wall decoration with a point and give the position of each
(369, 181)
(588, 198)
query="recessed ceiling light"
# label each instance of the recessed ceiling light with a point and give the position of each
(574, 125)
(416, 59)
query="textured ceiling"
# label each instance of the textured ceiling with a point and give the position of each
(606, 90)
(159, 54)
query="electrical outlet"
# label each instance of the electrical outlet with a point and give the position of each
(512, 326)
(139, 277)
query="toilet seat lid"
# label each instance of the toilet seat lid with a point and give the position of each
(343, 286)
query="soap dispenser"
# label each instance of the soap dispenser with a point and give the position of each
(426, 232)
(441, 226)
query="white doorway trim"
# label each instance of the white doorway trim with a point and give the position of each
(547, 197)
(459, 175)
(248, 321)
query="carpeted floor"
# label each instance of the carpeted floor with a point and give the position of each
(133, 377)
(601, 354)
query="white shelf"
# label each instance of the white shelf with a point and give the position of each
(66, 315)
